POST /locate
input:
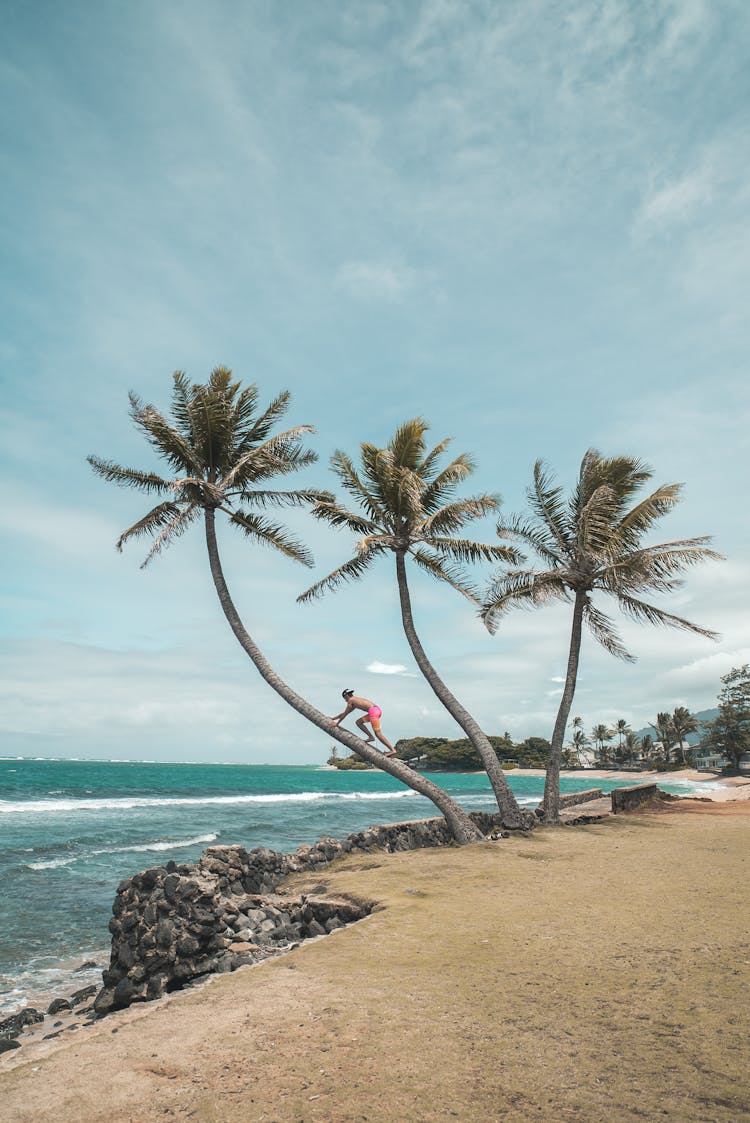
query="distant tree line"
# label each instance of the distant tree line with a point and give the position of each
(607, 745)
(440, 754)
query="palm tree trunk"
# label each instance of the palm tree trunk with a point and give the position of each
(551, 802)
(461, 826)
(506, 801)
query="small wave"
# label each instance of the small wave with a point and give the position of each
(57, 863)
(127, 803)
(161, 845)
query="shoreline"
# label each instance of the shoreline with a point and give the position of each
(539, 993)
(721, 790)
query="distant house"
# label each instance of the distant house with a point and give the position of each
(716, 762)
(708, 761)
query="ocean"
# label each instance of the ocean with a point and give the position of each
(71, 830)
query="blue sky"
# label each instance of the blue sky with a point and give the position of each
(526, 221)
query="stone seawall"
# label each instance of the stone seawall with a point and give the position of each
(175, 923)
(625, 799)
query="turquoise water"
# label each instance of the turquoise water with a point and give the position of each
(70, 831)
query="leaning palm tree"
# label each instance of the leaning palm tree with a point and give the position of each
(593, 543)
(221, 452)
(408, 508)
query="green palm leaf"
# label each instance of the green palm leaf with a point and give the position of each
(127, 477)
(441, 569)
(270, 534)
(349, 571)
(159, 517)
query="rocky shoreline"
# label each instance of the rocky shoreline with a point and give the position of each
(175, 925)
(30, 1023)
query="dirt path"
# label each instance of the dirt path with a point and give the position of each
(589, 973)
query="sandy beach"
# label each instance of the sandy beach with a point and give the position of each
(586, 973)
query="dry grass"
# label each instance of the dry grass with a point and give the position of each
(594, 973)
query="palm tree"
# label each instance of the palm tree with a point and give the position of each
(664, 731)
(621, 728)
(579, 740)
(408, 509)
(632, 745)
(683, 723)
(601, 734)
(593, 543)
(221, 453)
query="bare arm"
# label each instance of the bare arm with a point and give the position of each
(339, 717)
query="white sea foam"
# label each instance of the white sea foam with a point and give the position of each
(162, 844)
(127, 803)
(56, 864)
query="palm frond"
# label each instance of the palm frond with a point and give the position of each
(299, 498)
(279, 455)
(636, 522)
(270, 534)
(547, 504)
(655, 567)
(210, 494)
(407, 495)
(427, 467)
(181, 405)
(163, 437)
(328, 510)
(407, 444)
(173, 529)
(451, 575)
(349, 571)
(346, 472)
(465, 550)
(524, 588)
(650, 614)
(442, 487)
(152, 523)
(594, 524)
(534, 534)
(127, 477)
(455, 515)
(604, 632)
(254, 431)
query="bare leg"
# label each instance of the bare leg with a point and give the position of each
(361, 722)
(382, 738)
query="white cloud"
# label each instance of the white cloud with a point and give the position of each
(674, 203)
(376, 668)
(381, 280)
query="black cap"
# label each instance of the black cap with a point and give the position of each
(346, 693)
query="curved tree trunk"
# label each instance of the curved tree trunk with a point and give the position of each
(552, 779)
(461, 826)
(506, 801)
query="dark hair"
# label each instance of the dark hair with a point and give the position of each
(346, 693)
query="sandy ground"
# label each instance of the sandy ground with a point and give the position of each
(590, 973)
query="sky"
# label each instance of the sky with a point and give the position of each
(525, 221)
